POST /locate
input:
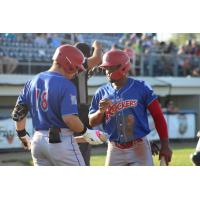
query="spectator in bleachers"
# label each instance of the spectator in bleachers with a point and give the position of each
(79, 37)
(1, 60)
(146, 42)
(26, 37)
(10, 36)
(170, 107)
(184, 61)
(67, 39)
(171, 48)
(7, 64)
(147, 49)
(124, 38)
(41, 40)
(55, 40)
(198, 50)
(115, 46)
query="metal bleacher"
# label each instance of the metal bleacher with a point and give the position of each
(33, 58)
(28, 55)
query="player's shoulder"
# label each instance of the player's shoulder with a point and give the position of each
(55, 78)
(137, 81)
(104, 87)
(142, 83)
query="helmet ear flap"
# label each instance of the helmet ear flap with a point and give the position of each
(126, 68)
(70, 68)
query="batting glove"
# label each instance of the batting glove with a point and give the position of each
(95, 137)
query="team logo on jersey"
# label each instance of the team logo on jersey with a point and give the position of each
(73, 100)
(114, 108)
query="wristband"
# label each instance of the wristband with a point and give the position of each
(83, 131)
(21, 133)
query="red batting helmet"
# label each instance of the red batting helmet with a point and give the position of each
(69, 58)
(116, 58)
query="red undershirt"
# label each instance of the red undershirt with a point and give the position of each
(159, 120)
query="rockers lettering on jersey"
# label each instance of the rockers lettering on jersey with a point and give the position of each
(126, 118)
(114, 108)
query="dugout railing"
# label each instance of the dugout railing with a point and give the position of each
(151, 64)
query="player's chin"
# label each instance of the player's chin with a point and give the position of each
(109, 79)
(112, 80)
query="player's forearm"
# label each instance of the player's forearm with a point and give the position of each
(20, 125)
(95, 59)
(159, 120)
(74, 123)
(80, 139)
(164, 142)
(96, 118)
(161, 127)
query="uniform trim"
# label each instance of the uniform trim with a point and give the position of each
(129, 87)
(152, 101)
(75, 152)
(70, 114)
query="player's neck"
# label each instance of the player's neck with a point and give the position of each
(120, 83)
(56, 68)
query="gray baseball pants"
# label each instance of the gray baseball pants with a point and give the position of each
(137, 155)
(66, 153)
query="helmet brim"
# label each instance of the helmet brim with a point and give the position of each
(105, 65)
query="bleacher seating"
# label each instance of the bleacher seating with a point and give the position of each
(30, 54)
(28, 51)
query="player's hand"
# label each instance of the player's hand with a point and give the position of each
(26, 142)
(165, 151)
(154, 148)
(95, 137)
(97, 45)
(104, 104)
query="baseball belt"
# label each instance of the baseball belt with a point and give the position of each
(127, 145)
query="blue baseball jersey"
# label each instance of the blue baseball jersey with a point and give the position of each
(126, 119)
(49, 96)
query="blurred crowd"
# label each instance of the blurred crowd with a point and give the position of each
(160, 58)
(148, 55)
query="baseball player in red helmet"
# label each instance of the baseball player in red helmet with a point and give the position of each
(121, 106)
(51, 99)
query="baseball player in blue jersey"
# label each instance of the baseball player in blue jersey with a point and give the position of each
(121, 106)
(50, 97)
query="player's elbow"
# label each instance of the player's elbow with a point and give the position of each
(94, 61)
(93, 122)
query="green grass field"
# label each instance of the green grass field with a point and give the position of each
(181, 153)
